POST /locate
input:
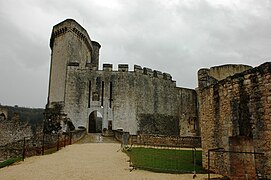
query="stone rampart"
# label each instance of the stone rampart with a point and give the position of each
(138, 69)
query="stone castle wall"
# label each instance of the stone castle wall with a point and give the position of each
(139, 101)
(188, 112)
(235, 114)
(135, 101)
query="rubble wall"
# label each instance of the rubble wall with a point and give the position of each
(238, 107)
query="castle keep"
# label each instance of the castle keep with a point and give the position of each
(142, 101)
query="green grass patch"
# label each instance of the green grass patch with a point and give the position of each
(166, 160)
(10, 161)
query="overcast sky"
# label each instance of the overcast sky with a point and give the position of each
(178, 37)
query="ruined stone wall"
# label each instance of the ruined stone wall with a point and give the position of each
(237, 109)
(11, 131)
(19, 123)
(210, 76)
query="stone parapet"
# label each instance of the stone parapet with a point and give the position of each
(147, 71)
(167, 76)
(123, 67)
(107, 67)
(158, 74)
(138, 69)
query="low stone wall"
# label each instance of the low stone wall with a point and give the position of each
(183, 141)
(31, 146)
(160, 140)
(78, 134)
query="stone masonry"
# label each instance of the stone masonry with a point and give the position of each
(235, 114)
(14, 127)
(142, 101)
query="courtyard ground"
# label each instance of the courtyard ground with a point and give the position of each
(89, 161)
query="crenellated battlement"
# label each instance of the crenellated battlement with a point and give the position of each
(107, 67)
(139, 70)
(70, 25)
(110, 98)
(123, 67)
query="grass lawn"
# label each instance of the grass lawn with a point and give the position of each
(10, 161)
(166, 160)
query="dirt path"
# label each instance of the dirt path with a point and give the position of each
(88, 161)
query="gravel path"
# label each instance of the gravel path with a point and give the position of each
(89, 161)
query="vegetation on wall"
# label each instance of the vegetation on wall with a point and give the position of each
(53, 118)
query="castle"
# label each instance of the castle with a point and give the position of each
(138, 101)
(230, 109)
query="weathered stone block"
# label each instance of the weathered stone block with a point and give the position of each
(107, 67)
(147, 71)
(123, 67)
(157, 74)
(138, 69)
(167, 76)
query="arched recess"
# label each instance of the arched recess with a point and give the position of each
(95, 122)
(2, 116)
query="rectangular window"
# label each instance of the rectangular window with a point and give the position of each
(110, 95)
(89, 93)
(102, 101)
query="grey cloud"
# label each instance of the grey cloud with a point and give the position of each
(178, 37)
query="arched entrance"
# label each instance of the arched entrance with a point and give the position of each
(95, 122)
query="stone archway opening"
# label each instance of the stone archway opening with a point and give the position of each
(95, 122)
(2, 117)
